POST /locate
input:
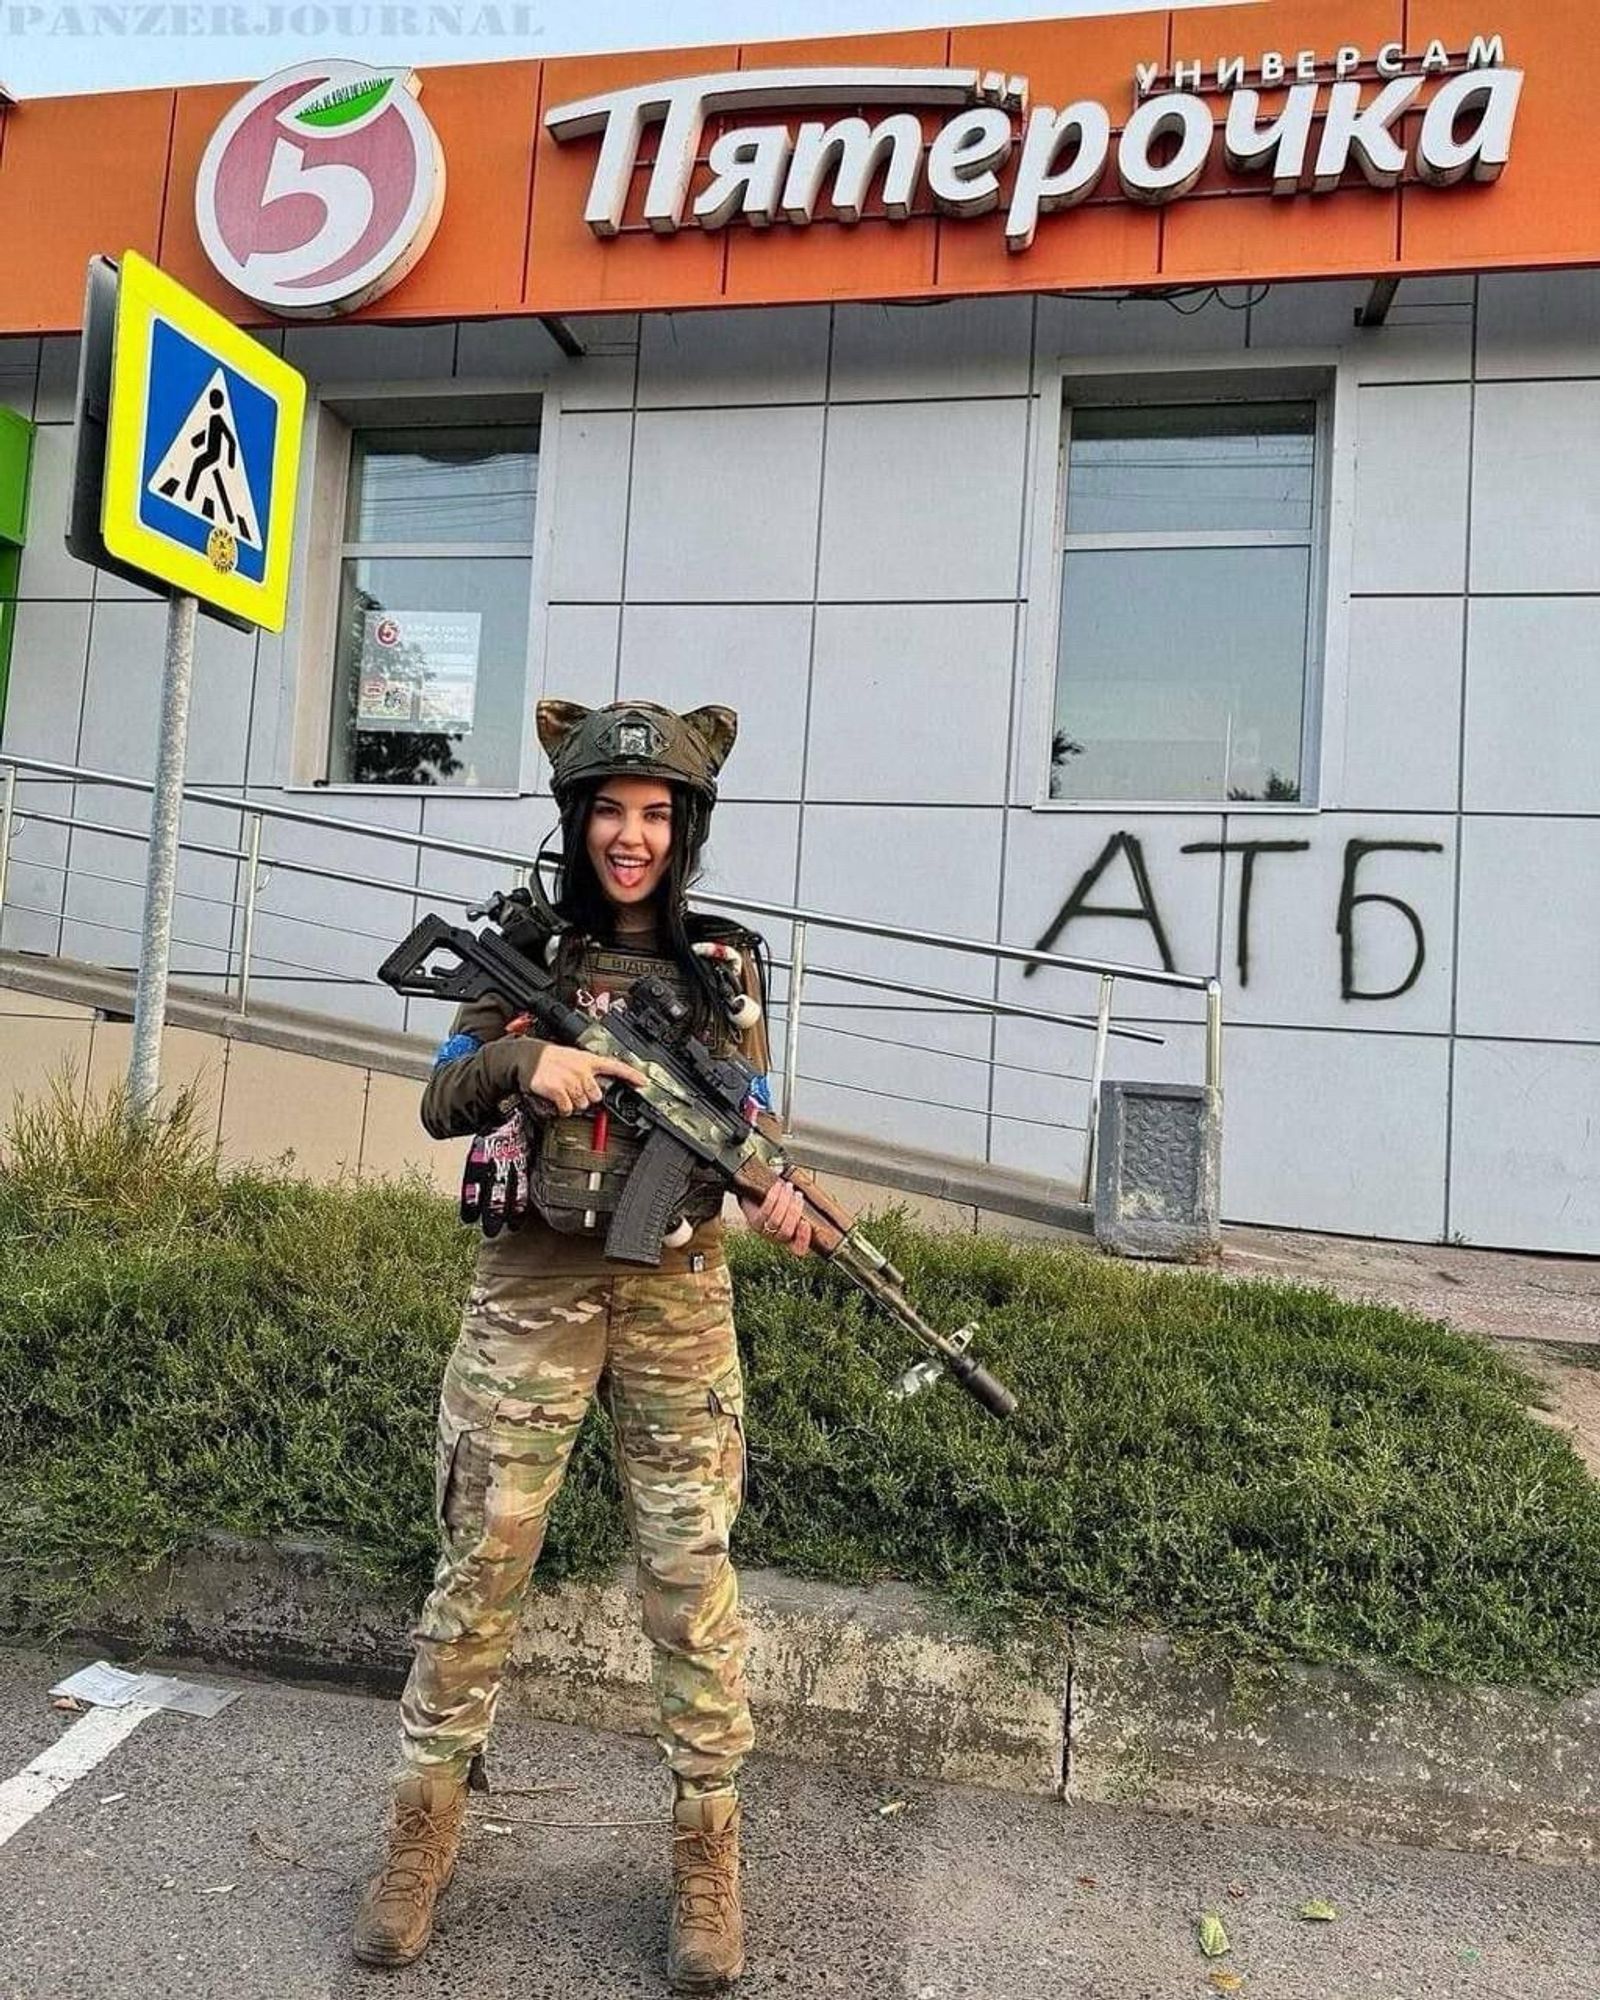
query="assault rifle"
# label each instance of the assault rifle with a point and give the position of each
(690, 1111)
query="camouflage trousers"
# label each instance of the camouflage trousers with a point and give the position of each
(529, 1358)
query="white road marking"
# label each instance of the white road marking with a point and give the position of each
(89, 1741)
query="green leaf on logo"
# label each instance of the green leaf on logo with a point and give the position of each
(344, 104)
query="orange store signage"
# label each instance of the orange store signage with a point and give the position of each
(1225, 144)
(1306, 123)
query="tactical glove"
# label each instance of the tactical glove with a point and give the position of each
(494, 1184)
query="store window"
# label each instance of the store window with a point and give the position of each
(429, 684)
(1190, 597)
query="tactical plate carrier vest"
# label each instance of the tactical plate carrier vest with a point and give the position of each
(575, 1188)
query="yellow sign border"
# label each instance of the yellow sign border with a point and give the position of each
(145, 294)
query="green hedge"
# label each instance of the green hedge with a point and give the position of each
(1261, 1469)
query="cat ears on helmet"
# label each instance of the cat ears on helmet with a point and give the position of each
(716, 727)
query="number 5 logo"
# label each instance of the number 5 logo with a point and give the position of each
(321, 188)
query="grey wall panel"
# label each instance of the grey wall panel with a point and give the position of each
(923, 501)
(1336, 1132)
(105, 900)
(724, 506)
(1536, 487)
(1111, 328)
(432, 1018)
(271, 713)
(766, 354)
(591, 511)
(752, 657)
(603, 378)
(1525, 1173)
(893, 1052)
(893, 1121)
(46, 569)
(581, 647)
(1048, 858)
(331, 354)
(1533, 705)
(310, 930)
(910, 703)
(1299, 959)
(921, 867)
(752, 852)
(44, 704)
(1427, 336)
(1402, 706)
(126, 648)
(1538, 323)
(503, 350)
(58, 379)
(1530, 941)
(515, 826)
(37, 879)
(1031, 1148)
(1411, 489)
(1055, 1062)
(954, 347)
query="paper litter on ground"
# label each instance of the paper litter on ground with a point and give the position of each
(106, 1686)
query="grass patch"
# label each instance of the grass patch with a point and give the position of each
(1263, 1470)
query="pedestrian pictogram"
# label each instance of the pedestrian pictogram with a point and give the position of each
(202, 470)
(203, 450)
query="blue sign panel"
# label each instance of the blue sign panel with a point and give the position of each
(210, 438)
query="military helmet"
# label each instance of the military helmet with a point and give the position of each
(635, 739)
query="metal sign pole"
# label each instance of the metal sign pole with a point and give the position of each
(166, 813)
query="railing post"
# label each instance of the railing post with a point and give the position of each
(8, 806)
(247, 931)
(791, 1026)
(1214, 1034)
(1097, 1076)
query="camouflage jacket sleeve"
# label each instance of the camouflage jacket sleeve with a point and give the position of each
(469, 1085)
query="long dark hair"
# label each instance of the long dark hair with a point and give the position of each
(584, 904)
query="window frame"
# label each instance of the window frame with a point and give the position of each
(1230, 380)
(310, 640)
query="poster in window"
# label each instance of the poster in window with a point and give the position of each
(419, 670)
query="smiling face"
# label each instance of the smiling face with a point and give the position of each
(629, 838)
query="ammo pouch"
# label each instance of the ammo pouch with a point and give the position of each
(565, 1163)
(570, 1179)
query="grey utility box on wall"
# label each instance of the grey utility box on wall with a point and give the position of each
(1158, 1171)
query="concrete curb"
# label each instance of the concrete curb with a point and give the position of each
(1363, 1751)
(882, 1681)
(878, 1680)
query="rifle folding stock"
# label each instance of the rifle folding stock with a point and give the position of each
(692, 1105)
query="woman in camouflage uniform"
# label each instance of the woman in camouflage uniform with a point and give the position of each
(550, 1318)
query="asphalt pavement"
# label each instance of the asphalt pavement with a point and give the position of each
(224, 1858)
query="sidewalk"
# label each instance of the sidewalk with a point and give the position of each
(222, 1861)
(1546, 1310)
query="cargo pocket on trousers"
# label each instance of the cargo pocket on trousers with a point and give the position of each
(725, 1399)
(460, 1479)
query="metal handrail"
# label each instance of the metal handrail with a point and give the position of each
(506, 857)
(250, 856)
(255, 812)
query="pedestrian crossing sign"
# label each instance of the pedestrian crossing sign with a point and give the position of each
(203, 450)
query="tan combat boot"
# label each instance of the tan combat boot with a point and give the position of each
(395, 1920)
(705, 1939)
